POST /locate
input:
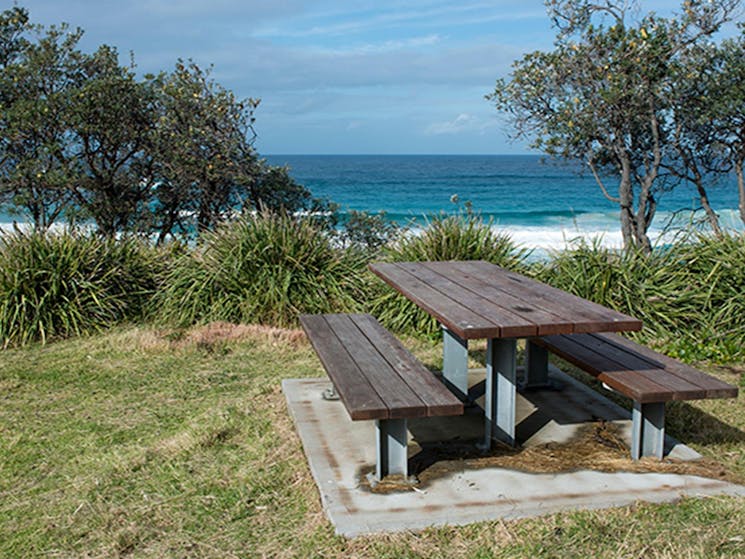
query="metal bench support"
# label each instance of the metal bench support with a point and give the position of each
(455, 362)
(536, 366)
(391, 442)
(648, 430)
(501, 372)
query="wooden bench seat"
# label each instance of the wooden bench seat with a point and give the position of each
(377, 378)
(649, 378)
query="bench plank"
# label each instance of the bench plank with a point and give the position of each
(634, 370)
(438, 399)
(362, 402)
(630, 383)
(712, 386)
(628, 360)
(374, 375)
(393, 391)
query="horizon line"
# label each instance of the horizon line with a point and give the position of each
(406, 154)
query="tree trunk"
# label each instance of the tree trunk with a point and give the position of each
(711, 215)
(626, 203)
(741, 186)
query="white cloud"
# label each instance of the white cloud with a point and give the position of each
(355, 20)
(464, 122)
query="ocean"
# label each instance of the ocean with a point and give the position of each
(541, 204)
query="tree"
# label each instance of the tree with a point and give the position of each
(205, 160)
(82, 135)
(695, 155)
(111, 117)
(726, 108)
(34, 85)
(13, 24)
(603, 95)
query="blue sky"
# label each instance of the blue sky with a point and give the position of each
(342, 76)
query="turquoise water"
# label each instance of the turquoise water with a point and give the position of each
(539, 203)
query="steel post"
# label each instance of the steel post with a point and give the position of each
(391, 443)
(648, 430)
(455, 362)
(501, 380)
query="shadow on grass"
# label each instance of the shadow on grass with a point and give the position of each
(693, 425)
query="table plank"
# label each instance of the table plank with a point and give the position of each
(585, 315)
(510, 325)
(546, 322)
(464, 322)
(476, 299)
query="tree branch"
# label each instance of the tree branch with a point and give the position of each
(600, 183)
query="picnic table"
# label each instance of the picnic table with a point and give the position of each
(378, 379)
(477, 300)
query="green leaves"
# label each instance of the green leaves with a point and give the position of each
(81, 137)
(603, 96)
(688, 295)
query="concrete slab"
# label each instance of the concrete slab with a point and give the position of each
(340, 452)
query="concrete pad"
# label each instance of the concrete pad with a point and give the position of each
(340, 452)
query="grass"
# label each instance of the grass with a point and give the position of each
(265, 269)
(688, 295)
(146, 443)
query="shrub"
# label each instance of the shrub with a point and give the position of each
(54, 285)
(715, 267)
(652, 287)
(263, 269)
(369, 232)
(464, 236)
(688, 295)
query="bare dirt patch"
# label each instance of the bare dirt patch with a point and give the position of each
(209, 336)
(216, 332)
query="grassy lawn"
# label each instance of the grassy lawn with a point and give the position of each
(146, 444)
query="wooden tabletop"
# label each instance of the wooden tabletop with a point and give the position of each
(476, 299)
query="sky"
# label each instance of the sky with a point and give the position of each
(335, 77)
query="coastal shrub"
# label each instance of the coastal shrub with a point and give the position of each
(369, 232)
(54, 285)
(266, 269)
(715, 268)
(688, 295)
(652, 287)
(464, 236)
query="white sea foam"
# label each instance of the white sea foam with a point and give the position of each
(561, 232)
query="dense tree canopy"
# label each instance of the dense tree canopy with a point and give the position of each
(82, 137)
(609, 94)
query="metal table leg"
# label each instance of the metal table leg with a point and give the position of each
(536, 369)
(455, 362)
(501, 388)
(536, 365)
